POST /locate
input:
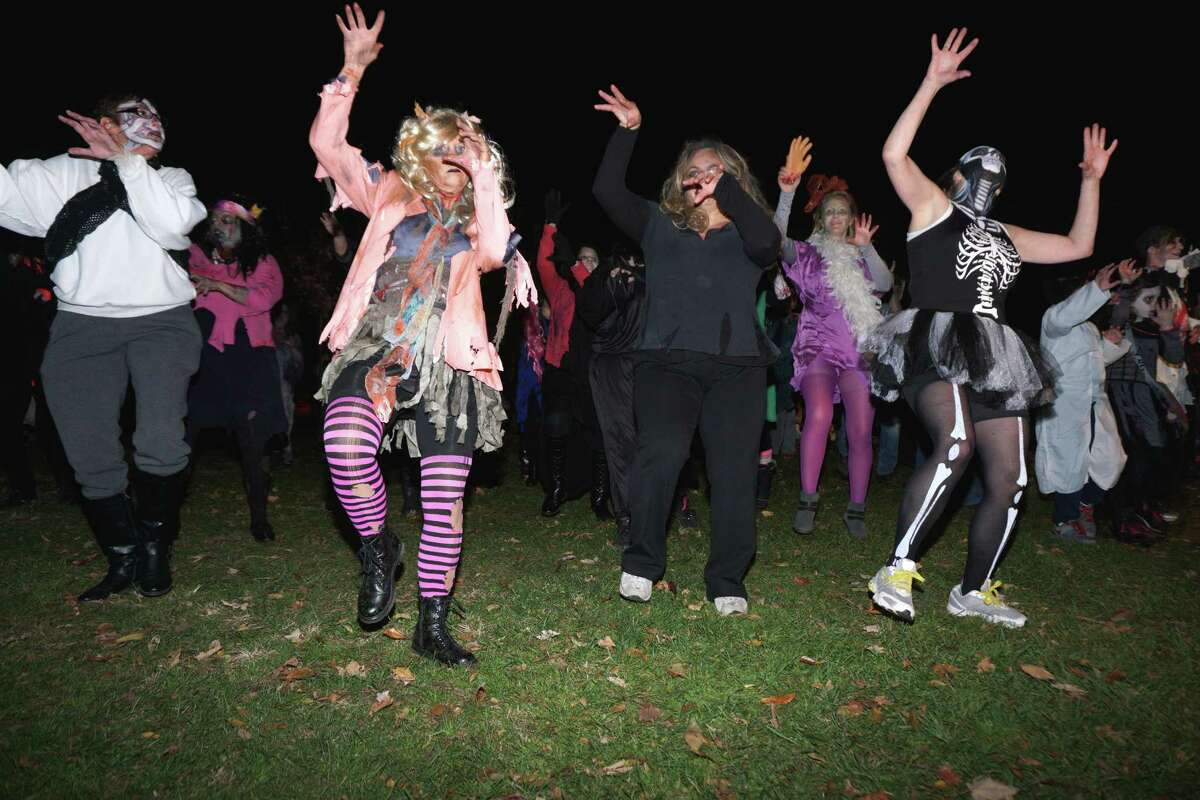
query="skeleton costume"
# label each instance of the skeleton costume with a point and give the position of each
(969, 377)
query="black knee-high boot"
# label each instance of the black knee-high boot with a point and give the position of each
(157, 499)
(432, 637)
(600, 487)
(111, 520)
(557, 493)
(256, 474)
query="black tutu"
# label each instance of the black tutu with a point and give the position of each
(1006, 368)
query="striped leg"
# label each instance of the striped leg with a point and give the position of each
(352, 437)
(443, 482)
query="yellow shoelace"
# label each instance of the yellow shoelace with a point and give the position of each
(991, 594)
(903, 578)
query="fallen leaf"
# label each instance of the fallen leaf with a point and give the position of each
(935, 683)
(546, 635)
(353, 670)
(666, 586)
(1070, 689)
(1114, 676)
(149, 735)
(649, 713)
(212, 650)
(392, 633)
(136, 636)
(607, 643)
(878, 649)
(1120, 615)
(851, 709)
(438, 710)
(695, 738)
(778, 699)
(812, 662)
(799, 581)
(905, 664)
(298, 674)
(871, 629)
(947, 776)
(619, 767)
(404, 675)
(1034, 671)
(695, 606)
(755, 642)
(619, 708)
(944, 670)
(173, 660)
(275, 596)
(243, 733)
(677, 670)
(615, 680)
(989, 789)
(382, 700)
(767, 513)
(296, 636)
(985, 665)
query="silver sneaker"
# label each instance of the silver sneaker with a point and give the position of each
(635, 589)
(892, 588)
(727, 606)
(986, 604)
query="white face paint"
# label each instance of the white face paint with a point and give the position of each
(141, 124)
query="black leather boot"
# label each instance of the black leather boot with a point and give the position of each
(432, 637)
(157, 499)
(558, 479)
(111, 520)
(258, 487)
(380, 555)
(762, 495)
(600, 487)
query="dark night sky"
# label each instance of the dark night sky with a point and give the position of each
(238, 84)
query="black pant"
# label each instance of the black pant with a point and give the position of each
(673, 393)
(612, 392)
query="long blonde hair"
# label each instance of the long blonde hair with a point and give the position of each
(430, 127)
(675, 205)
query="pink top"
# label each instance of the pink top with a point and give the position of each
(385, 199)
(265, 286)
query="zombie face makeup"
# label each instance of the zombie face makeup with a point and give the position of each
(141, 124)
(984, 171)
(225, 230)
(448, 178)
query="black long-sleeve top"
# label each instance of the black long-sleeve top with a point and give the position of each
(700, 292)
(613, 304)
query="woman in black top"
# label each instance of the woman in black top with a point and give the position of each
(969, 378)
(702, 355)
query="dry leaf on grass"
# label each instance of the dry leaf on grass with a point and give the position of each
(212, 650)
(617, 681)
(173, 660)
(677, 670)
(649, 713)
(695, 738)
(852, 709)
(877, 649)
(607, 643)
(546, 635)
(778, 699)
(871, 628)
(353, 670)
(1070, 689)
(1035, 671)
(619, 767)
(1114, 676)
(149, 735)
(985, 665)
(812, 662)
(947, 777)
(990, 789)
(944, 670)
(382, 700)
(136, 636)
(295, 637)
(404, 675)
(392, 633)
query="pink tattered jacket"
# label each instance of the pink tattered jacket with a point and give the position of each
(386, 200)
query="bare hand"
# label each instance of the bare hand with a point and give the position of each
(944, 61)
(704, 186)
(1107, 277)
(1114, 334)
(360, 43)
(798, 159)
(101, 145)
(476, 154)
(204, 284)
(332, 226)
(863, 232)
(1095, 156)
(624, 109)
(1129, 270)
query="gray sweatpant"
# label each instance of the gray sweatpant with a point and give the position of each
(87, 369)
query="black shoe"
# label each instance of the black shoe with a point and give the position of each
(432, 637)
(624, 535)
(111, 520)
(558, 468)
(380, 555)
(763, 492)
(262, 531)
(156, 501)
(685, 515)
(600, 487)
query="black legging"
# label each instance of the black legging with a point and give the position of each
(948, 414)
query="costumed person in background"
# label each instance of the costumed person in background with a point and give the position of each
(612, 301)
(238, 282)
(529, 402)
(289, 356)
(838, 277)
(969, 378)
(112, 220)
(702, 354)
(409, 331)
(1079, 454)
(569, 423)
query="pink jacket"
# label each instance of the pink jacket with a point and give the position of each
(265, 286)
(386, 200)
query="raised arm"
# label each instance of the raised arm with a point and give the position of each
(357, 182)
(798, 159)
(628, 211)
(1051, 248)
(921, 196)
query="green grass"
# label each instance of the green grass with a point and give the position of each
(541, 716)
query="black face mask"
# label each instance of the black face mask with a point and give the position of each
(984, 171)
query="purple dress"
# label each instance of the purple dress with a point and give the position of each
(822, 331)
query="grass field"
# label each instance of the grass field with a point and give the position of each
(252, 677)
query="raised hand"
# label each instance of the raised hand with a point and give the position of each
(863, 231)
(945, 60)
(798, 159)
(475, 151)
(1108, 277)
(624, 109)
(703, 182)
(1095, 156)
(101, 145)
(331, 224)
(554, 206)
(360, 43)
(1129, 270)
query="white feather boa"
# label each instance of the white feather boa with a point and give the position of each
(853, 292)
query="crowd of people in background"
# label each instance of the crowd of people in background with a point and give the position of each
(723, 333)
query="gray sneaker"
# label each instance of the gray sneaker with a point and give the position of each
(806, 514)
(985, 604)
(727, 606)
(1074, 531)
(892, 588)
(635, 589)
